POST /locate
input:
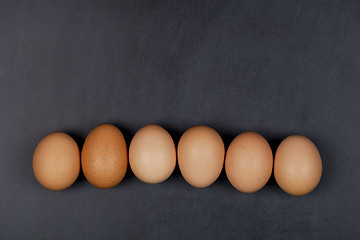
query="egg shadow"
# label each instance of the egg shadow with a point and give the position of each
(80, 142)
(128, 137)
(327, 153)
(176, 135)
(274, 144)
(227, 138)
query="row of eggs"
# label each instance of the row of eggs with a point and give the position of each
(200, 154)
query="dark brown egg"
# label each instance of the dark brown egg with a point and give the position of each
(104, 156)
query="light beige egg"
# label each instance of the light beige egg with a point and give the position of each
(249, 162)
(298, 165)
(104, 156)
(152, 154)
(201, 156)
(56, 161)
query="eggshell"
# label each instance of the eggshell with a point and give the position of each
(249, 162)
(104, 156)
(298, 165)
(201, 156)
(152, 154)
(56, 161)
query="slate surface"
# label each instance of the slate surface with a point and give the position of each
(275, 67)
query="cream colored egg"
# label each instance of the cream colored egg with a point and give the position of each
(152, 154)
(56, 161)
(249, 162)
(298, 165)
(201, 156)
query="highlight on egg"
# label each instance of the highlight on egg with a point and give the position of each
(104, 157)
(152, 154)
(56, 161)
(201, 155)
(297, 166)
(249, 162)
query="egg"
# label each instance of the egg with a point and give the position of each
(152, 154)
(297, 165)
(201, 156)
(249, 162)
(56, 161)
(104, 156)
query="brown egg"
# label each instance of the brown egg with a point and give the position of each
(249, 162)
(201, 156)
(152, 154)
(56, 161)
(104, 156)
(297, 166)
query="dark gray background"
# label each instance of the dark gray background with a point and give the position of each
(275, 67)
